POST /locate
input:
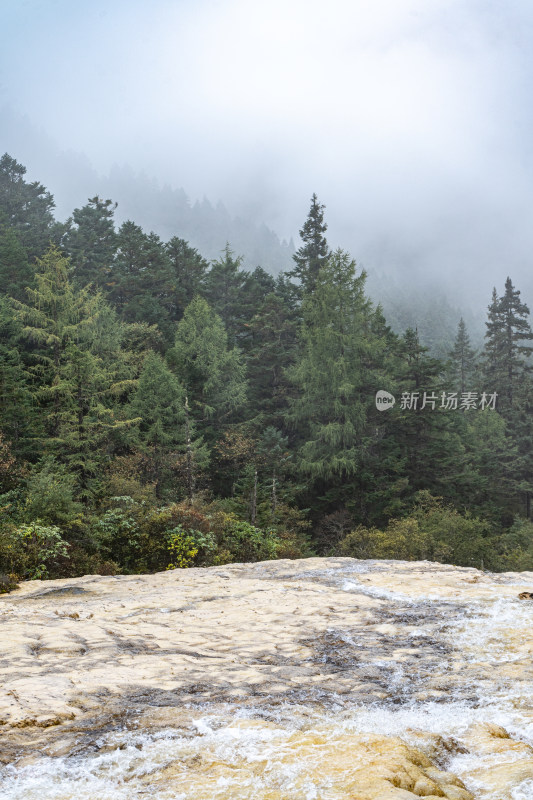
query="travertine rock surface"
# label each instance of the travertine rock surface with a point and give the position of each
(320, 678)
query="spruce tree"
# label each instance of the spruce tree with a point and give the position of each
(188, 274)
(314, 252)
(427, 433)
(141, 279)
(212, 373)
(331, 407)
(15, 270)
(273, 350)
(91, 241)
(507, 352)
(72, 381)
(159, 403)
(224, 286)
(18, 419)
(462, 361)
(27, 208)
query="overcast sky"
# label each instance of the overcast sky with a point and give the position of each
(411, 119)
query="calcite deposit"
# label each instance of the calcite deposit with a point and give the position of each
(312, 679)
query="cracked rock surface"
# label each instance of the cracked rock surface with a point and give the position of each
(318, 678)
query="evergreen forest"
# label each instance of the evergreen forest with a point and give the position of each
(159, 410)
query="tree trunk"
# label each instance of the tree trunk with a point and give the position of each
(253, 513)
(190, 469)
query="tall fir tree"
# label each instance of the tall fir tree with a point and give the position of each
(91, 242)
(72, 381)
(224, 286)
(18, 418)
(15, 270)
(314, 253)
(188, 274)
(507, 348)
(330, 376)
(272, 351)
(159, 403)
(212, 373)
(427, 424)
(27, 208)
(141, 280)
(462, 367)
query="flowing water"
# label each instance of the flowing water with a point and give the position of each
(430, 685)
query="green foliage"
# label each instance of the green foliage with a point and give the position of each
(224, 285)
(517, 546)
(36, 547)
(213, 374)
(26, 208)
(314, 253)
(8, 583)
(15, 270)
(188, 270)
(159, 404)
(507, 348)
(117, 532)
(243, 541)
(141, 279)
(271, 352)
(135, 430)
(91, 242)
(462, 368)
(182, 548)
(330, 376)
(432, 531)
(50, 489)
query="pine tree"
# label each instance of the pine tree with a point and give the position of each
(462, 358)
(18, 419)
(257, 286)
(427, 435)
(91, 242)
(314, 252)
(213, 374)
(272, 351)
(224, 292)
(15, 270)
(72, 380)
(26, 208)
(159, 403)
(507, 353)
(331, 408)
(141, 279)
(188, 270)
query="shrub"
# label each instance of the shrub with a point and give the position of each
(432, 531)
(517, 546)
(182, 548)
(7, 583)
(37, 547)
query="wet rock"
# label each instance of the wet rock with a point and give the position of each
(352, 679)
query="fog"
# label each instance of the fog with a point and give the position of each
(410, 120)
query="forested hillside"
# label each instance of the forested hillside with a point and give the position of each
(156, 206)
(160, 410)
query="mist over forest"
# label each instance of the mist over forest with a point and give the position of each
(226, 236)
(410, 121)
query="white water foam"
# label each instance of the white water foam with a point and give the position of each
(481, 633)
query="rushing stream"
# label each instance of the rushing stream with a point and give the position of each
(425, 669)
